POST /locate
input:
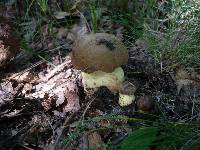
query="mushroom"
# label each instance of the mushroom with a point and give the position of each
(126, 93)
(99, 56)
(144, 103)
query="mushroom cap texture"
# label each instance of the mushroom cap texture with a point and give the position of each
(99, 51)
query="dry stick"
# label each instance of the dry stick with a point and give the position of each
(28, 69)
(26, 147)
(88, 26)
(57, 69)
(40, 62)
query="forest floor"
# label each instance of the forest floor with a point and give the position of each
(44, 106)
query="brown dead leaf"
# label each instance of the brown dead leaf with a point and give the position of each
(188, 85)
(181, 83)
(94, 140)
(186, 78)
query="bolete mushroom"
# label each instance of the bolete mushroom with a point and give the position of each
(126, 93)
(144, 103)
(99, 56)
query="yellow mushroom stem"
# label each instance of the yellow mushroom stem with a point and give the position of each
(113, 81)
(125, 100)
(99, 78)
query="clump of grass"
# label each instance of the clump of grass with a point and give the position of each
(93, 12)
(43, 5)
(175, 42)
(171, 29)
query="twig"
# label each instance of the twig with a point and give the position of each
(28, 69)
(26, 147)
(57, 69)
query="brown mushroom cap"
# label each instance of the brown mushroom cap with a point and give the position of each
(127, 88)
(99, 51)
(144, 103)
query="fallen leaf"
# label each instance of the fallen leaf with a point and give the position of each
(94, 140)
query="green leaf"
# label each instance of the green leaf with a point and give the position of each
(139, 139)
